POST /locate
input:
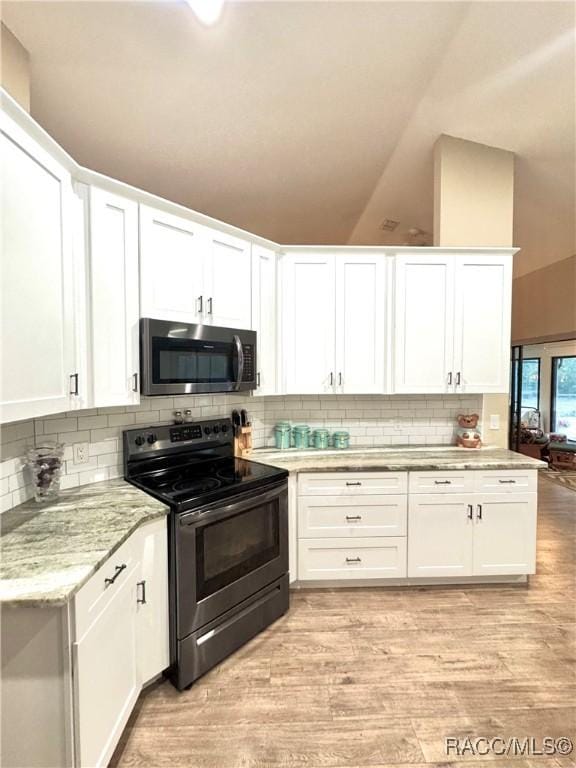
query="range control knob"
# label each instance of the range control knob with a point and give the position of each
(140, 440)
(152, 438)
(207, 430)
(216, 429)
(224, 428)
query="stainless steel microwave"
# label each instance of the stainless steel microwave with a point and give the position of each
(185, 359)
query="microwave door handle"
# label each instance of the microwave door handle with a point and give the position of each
(240, 355)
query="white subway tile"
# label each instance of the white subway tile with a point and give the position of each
(121, 419)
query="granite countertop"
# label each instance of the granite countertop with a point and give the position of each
(395, 459)
(49, 550)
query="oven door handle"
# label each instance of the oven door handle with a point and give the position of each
(208, 514)
(240, 361)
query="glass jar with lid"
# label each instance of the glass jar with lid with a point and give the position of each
(321, 438)
(301, 434)
(282, 435)
(341, 439)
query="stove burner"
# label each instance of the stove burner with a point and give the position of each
(197, 486)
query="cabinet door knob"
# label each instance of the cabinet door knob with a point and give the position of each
(450, 378)
(119, 569)
(258, 379)
(134, 382)
(340, 379)
(331, 379)
(200, 305)
(470, 511)
(210, 305)
(142, 599)
(479, 515)
(74, 384)
(458, 379)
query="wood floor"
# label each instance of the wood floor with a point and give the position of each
(376, 677)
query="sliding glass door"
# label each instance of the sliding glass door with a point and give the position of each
(563, 400)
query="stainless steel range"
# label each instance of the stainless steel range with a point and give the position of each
(228, 538)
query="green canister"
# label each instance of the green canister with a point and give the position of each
(282, 435)
(321, 438)
(301, 434)
(341, 439)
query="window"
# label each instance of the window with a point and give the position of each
(531, 383)
(563, 405)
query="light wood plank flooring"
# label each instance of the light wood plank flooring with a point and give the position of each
(377, 677)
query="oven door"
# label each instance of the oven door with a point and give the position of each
(225, 554)
(179, 358)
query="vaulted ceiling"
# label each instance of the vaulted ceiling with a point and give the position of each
(312, 121)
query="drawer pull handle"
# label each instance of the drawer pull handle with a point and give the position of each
(353, 559)
(479, 515)
(347, 483)
(442, 482)
(353, 517)
(142, 585)
(506, 482)
(119, 569)
(470, 511)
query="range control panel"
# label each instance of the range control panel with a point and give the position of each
(147, 440)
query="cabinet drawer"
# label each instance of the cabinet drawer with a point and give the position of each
(383, 558)
(351, 483)
(507, 481)
(342, 516)
(441, 482)
(97, 593)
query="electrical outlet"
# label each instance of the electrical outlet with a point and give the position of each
(494, 421)
(80, 452)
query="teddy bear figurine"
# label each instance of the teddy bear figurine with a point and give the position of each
(467, 434)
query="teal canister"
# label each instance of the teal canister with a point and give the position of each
(341, 439)
(282, 435)
(321, 438)
(301, 434)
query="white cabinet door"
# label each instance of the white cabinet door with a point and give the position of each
(423, 323)
(228, 281)
(483, 287)
(106, 675)
(114, 299)
(308, 323)
(152, 614)
(264, 317)
(37, 287)
(360, 318)
(172, 255)
(504, 534)
(440, 530)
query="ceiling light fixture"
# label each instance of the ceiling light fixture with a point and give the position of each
(208, 11)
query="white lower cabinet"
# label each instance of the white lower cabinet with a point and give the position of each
(420, 525)
(504, 534)
(440, 535)
(121, 640)
(106, 675)
(370, 558)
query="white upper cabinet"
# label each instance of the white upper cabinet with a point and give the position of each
(228, 280)
(360, 322)
(308, 323)
(452, 322)
(191, 273)
(423, 323)
(114, 299)
(264, 317)
(171, 267)
(39, 301)
(483, 298)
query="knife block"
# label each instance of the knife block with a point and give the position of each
(243, 442)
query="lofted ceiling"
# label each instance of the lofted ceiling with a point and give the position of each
(312, 121)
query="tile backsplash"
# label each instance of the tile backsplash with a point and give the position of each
(370, 419)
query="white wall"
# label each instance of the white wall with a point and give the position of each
(371, 420)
